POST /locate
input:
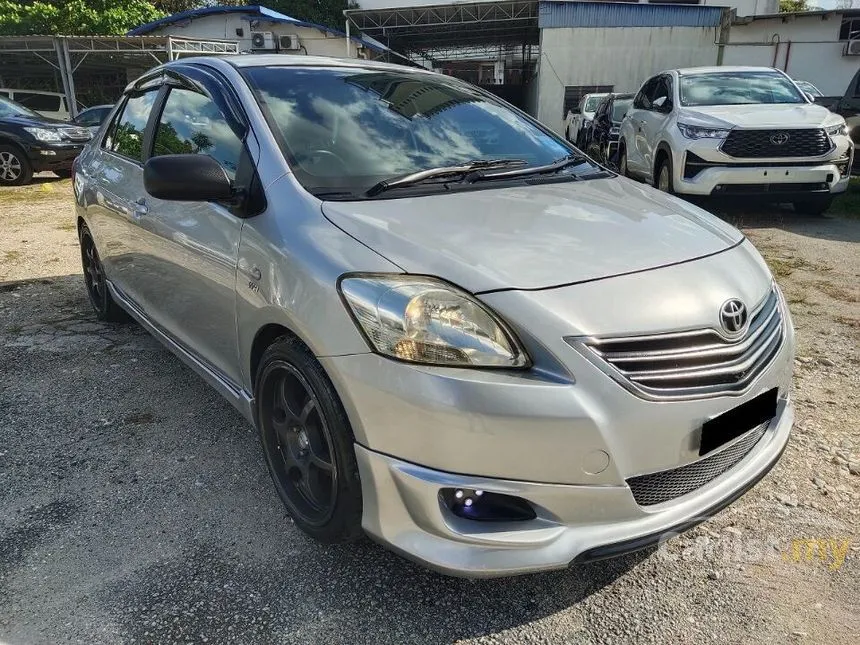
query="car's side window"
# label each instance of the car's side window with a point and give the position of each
(126, 135)
(643, 97)
(663, 91)
(191, 123)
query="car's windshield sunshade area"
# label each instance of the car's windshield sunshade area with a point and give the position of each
(348, 128)
(737, 88)
(619, 109)
(10, 108)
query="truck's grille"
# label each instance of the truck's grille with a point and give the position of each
(655, 488)
(777, 143)
(690, 364)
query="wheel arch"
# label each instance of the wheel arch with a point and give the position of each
(263, 339)
(663, 152)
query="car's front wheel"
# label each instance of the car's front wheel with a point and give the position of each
(15, 168)
(622, 161)
(813, 205)
(308, 443)
(663, 176)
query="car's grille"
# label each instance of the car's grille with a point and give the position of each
(659, 487)
(76, 134)
(691, 364)
(777, 143)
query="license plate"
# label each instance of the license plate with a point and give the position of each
(737, 421)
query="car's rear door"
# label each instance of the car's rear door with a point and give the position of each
(188, 250)
(115, 168)
(636, 145)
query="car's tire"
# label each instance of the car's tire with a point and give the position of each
(663, 175)
(63, 174)
(15, 168)
(813, 206)
(95, 280)
(623, 170)
(308, 443)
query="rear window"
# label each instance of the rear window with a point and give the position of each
(738, 88)
(592, 103)
(39, 102)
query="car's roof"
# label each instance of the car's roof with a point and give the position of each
(287, 60)
(689, 71)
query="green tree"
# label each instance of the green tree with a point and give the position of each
(322, 12)
(786, 6)
(74, 17)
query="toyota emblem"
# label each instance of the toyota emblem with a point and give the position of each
(779, 138)
(733, 316)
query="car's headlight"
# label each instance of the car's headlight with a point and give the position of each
(425, 320)
(839, 129)
(44, 134)
(695, 132)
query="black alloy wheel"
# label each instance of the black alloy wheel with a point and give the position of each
(308, 443)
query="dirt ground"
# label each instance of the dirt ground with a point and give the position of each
(135, 505)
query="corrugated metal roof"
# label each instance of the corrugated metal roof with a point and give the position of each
(554, 14)
(252, 10)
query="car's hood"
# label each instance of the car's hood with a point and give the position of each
(535, 236)
(31, 121)
(804, 115)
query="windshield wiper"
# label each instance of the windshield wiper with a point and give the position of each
(434, 173)
(555, 166)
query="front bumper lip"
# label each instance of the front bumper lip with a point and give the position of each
(575, 523)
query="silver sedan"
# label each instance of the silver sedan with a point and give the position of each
(452, 331)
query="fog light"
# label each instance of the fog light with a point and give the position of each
(48, 153)
(485, 506)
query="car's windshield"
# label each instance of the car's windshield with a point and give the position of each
(619, 109)
(592, 103)
(10, 108)
(737, 88)
(347, 128)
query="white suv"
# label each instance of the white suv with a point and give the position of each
(736, 131)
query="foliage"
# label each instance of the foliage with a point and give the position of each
(322, 12)
(74, 17)
(793, 5)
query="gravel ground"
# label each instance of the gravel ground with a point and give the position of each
(135, 506)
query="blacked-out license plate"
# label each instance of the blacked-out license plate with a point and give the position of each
(732, 424)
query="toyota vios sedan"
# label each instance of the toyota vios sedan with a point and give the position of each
(453, 331)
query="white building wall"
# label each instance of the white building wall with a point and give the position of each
(806, 48)
(224, 26)
(623, 57)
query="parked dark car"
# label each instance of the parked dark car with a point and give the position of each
(93, 117)
(30, 142)
(847, 106)
(606, 127)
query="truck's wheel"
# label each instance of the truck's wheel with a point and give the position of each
(813, 205)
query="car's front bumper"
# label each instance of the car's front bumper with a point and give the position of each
(701, 168)
(53, 157)
(402, 509)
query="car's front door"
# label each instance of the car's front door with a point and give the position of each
(189, 250)
(653, 120)
(637, 148)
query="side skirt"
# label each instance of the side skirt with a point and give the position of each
(236, 395)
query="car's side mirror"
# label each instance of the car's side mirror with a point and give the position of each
(659, 102)
(811, 97)
(187, 178)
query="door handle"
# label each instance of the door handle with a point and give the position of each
(140, 207)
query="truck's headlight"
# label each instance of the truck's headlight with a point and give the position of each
(695, 132)
(425, 320)
(44, 134)
(840, 129)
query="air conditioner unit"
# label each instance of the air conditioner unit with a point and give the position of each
(289, 42)
(262, 40)
(852, 48)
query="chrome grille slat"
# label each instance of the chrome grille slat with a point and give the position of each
(666, 485)
(691, 364)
